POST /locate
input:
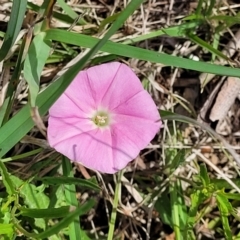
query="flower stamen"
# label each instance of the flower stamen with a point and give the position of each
(101, 119)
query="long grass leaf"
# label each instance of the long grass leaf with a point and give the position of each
(14, 26)
(139, 53)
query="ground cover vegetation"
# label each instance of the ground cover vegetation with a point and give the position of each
(185, 183)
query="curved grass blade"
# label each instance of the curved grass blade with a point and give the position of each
(14, 26)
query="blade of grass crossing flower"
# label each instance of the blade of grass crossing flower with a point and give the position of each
(21, 123)
(14, 26)
(139, 53)
(35, 60)
(114, 207)
(75, 231)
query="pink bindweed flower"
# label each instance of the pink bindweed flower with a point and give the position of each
(104, 118)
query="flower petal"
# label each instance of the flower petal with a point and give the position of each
(62, 129)
(80, 92)
(139, 131)
(124, 149)
(92, 149)
(125, 84)
(64, 107)
(134, 118)
(140, 105)
(100, 79)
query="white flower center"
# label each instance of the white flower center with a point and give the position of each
(101, 119)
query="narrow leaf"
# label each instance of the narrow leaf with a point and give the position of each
(225, 208)
(14, 26)
(139, 53)
(65, 222)
(45, 213)
(35, 60)
(86, 183)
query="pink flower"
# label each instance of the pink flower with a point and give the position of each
(104, 118)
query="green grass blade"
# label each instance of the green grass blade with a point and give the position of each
(139, 53)
(174, 198)
(75, 231)
(60, 225)
(35, 60)
(45, 213)
(225, 208)
(69, 11)
(207, 46)
(83, 183)
(14, 26)
(113, 218)
(175, 31)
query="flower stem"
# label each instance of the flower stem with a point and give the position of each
(114, 207)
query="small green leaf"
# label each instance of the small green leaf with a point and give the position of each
(32, 195)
